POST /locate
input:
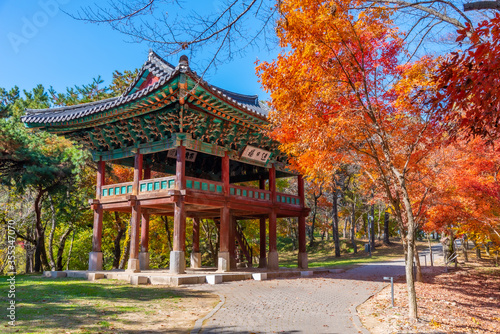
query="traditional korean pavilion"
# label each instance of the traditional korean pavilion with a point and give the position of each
(207, 141)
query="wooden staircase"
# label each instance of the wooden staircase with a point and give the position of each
(241, 244)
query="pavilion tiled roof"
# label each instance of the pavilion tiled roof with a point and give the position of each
(159, 68)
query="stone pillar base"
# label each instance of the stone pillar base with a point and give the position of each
(195, 260)
(303, 263)
(262, 262)
(133, 266)
(177, 262)
(224, 261)
(95, 261)
(144, 260)
(272, 261)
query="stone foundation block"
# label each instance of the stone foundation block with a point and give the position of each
(95, 276)
(303, 263)
(195, 260)
(272, 261)
(306, 273)
(259, 276)
(138, 280)
(144, 260)
(95, 261)
(177, 262)
(224, 262)
(133, 266)
(214, 279)
(54, 274)
(160, 280)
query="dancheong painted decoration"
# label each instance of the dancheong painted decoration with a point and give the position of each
(204, 141)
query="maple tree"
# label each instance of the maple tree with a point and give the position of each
(466, 195)
(340, 95)
(468, 79)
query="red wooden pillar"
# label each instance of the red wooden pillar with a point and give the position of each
(177, 256)
(95, 257)
(273, 249)
(225, 173)
(302, 260)
(195, 254)
(262, 230)
(300, 187)
(144, 254)
(302, 243)
(135, 219)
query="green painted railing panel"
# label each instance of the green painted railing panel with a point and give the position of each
(129, 189)
(189, 184)
(219, 189)
(105, 192)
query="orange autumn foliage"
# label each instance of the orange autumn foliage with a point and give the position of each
(339, 95)
(467, 194)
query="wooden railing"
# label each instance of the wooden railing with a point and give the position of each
(204, 185)
(249, 192)
(118, 189)
(287, 199)
(157, 185)
(167, 183)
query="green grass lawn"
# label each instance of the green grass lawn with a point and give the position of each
(322, 254)
(69, 305)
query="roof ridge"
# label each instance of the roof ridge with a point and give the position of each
(74, 106)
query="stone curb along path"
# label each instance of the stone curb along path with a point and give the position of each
(324, 303)
(199, 323)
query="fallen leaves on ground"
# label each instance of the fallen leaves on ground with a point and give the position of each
(466, 300)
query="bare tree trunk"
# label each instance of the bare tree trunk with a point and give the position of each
(419, 277)
(378, 223)
(371, 225)
(70, 249)
(344, 231)
(167, 230)
(464, 248)
(430, 251)
(335, 223)
(126, 249)
(478, 250)
(410, 282)
(60, 250)
(386, 229)
(117, 242)
(353, 225)
(487, 249)
(51, 234)
(40, 253)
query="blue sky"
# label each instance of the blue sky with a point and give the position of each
(40, 44)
